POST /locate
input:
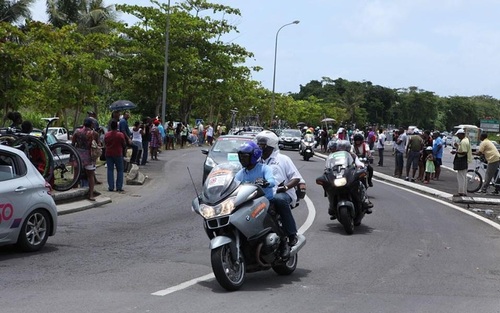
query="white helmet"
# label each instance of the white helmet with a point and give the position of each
(268, 138)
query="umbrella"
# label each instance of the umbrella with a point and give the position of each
(121, 105)
(327, 119)
(300, 124)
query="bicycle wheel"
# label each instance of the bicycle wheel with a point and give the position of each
(67, 166)
(474, 181)
(38, 153)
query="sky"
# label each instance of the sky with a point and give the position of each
(449, 47)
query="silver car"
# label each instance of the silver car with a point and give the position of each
(28, 213)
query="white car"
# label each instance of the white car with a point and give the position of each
(60, 133)
(28, 213)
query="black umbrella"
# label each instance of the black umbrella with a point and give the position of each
(121, 105)
(300, 124)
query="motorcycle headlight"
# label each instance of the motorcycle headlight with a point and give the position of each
(224, 208)
(339, 182)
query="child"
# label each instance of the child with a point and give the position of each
(429, 166)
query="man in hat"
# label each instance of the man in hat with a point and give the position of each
(463, 156)
(491, 154)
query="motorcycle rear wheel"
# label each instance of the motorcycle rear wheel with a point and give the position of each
(288, 267)
(229, 274)
(346, 220)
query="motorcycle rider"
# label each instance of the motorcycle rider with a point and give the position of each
(308, 135)
(345, 145)
(287, 176)
(253, 171)
(362, 150)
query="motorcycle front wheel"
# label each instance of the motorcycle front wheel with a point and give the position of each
(474, 181)
(229, 274)
(346, 220)
(288, 267)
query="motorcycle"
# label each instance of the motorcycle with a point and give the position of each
(306, 148)
(244, 230)
(342, 184)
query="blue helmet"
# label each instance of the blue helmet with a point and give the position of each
(249, 153)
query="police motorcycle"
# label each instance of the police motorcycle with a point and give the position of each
(306, 149)
(245, 232)
(342, 184)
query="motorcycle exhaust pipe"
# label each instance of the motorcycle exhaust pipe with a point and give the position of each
(300, 243)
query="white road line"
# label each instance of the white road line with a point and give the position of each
(183, 285)
(479, 217)
(309, 220)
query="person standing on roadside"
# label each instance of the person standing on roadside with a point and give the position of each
(492, 156)
(123, 127)
(184, 134)
(380, 146)
(201, 134)
(399, 151)
(146, 138)
(210, 134)
(437, 153)
(463, 156)
(115, 142)
(156, 142)
(137, 133)
(82, 141)
(413, 154)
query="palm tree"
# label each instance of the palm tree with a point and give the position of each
(63, 12)
(13, 11)
(95, 17)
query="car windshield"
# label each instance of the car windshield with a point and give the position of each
(228, 145)
(291, 133)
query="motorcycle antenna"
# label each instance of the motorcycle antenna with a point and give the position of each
(192, 180)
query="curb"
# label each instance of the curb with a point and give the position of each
(81, 205)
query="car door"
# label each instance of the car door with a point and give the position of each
(15, 194)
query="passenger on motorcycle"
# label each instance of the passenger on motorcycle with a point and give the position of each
(345, 145)
(287, 176)
(253, 171)
(361, 149)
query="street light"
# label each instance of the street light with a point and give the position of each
(165, 68)
(274, 73)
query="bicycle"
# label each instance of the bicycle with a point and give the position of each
(58, 162)
(475, 179)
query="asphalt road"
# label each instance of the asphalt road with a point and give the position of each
(413, 254)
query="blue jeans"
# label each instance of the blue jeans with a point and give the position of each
(281, 203)
(111, 163)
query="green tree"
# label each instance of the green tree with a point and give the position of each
(13, 11)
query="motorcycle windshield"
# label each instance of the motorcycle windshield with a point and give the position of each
(220, 182)
(309, 139)
(339, 159)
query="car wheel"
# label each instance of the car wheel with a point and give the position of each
(34, 232)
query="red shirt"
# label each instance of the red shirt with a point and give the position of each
(114, 142)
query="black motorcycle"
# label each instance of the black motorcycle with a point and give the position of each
(342, 183)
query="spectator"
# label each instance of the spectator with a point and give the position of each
(184, 134)
(123, 127)
(210, 134)
(82, 140)
(156, 142)
(95, 123)
(380, 146)
(137, 133)
(115, 142)
(399, 151)
(146, 139)
(429, 165)
(437, 152)
(413, 153)
(463, 156)
(492, 156)
(170, 136)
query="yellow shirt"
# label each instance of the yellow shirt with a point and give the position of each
(489, 150)
(464, 146)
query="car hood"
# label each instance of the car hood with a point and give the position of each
(222, 157)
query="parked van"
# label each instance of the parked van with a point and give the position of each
(472, 132)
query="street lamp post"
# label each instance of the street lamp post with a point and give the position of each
(273, 103)
(165, 68)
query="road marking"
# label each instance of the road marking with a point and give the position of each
(309, 220)
(479, 217)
